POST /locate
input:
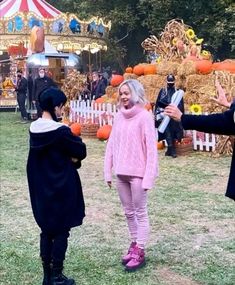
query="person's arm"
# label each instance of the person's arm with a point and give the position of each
(151, 169)
(220, 123)
(108, 160)
(72, 145)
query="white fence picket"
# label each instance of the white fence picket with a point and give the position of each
(99, 113)
(205, 142)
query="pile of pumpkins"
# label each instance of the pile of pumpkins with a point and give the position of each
(202, 66)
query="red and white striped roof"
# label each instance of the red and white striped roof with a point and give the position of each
(39, 7)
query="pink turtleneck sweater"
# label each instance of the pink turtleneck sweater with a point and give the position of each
(131, 149)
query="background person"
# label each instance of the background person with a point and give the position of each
(41, 83)
(131, 153)
(54, 184)
(21, 91)
(97, 86)
(174, 130)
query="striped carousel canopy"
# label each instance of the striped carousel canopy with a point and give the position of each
(40, 7)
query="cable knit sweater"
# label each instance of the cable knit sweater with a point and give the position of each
(131, 149)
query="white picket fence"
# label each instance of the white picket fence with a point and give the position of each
(103, 113)
(203, 141)
(89, 111)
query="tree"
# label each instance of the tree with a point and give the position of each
(134, 20)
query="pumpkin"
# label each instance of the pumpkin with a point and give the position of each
(129, 69)
(99, 100)
(138, 70)
(160, 145)
(150, 69)
(116, 80)
(204, 66)
(148, 106)
(103, 132)
(76, 129)
(224, 65)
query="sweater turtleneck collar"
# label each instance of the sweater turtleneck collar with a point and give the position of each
(129, 113)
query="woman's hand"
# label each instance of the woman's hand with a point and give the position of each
(173, 112)
(221, 99)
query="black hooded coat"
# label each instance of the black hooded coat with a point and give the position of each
(54, 184)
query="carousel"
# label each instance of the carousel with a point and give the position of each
(64, 33)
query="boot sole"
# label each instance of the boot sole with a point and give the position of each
(135, 268)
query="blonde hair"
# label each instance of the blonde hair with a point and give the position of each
(136, 89)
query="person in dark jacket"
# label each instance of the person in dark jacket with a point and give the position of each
(174, 130)
(220, 123)
(41, 83)
(54, 184)
(21, 91)
(97, 86)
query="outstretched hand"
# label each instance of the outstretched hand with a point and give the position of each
(173, 112)
(221, 99)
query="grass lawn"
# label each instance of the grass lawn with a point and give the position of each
(192, 223)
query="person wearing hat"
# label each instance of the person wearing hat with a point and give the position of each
(21, 91)
(54, 184)
(174, 130)
(41, 83)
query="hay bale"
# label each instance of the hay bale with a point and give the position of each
(195, 81)
(110, 90)
(186, 68)
(167, 67)
(130, 76)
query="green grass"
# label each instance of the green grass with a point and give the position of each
(192, 237)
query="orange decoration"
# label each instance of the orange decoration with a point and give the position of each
(224, 65)
(99, 100)
(150, 69)
(138, 70)
(116, 80)
(37, 38)
(103, 132)
(76, 129)
(129, 69)
(204, 66)
(160, 145)
(148, 106)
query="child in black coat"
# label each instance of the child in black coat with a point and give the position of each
(54, 184)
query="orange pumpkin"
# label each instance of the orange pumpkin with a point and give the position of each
(138, 70)
(129, 69)
(204, 66)
(76, 129)
(150, 69)
(116, 80)
(160, 145)
(99, 100)
(225, 65)
(103, 132)
(148, 106)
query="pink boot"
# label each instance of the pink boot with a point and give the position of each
(137, 259)
(127, 257)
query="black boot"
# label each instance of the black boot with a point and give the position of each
(58, 278)
(171, 151)
(46, 273)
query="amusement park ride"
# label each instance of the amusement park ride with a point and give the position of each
(66, 40)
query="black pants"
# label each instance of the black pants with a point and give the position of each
(53, 247)
(21, 97)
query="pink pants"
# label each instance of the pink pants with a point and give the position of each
(134, 202)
